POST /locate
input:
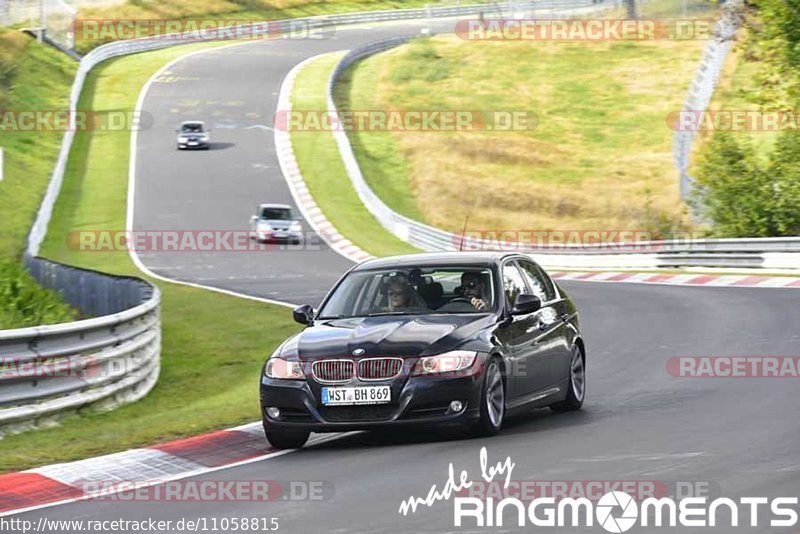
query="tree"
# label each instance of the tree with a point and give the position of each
(785, 172)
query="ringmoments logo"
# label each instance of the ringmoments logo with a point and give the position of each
(605, 511)
(615, 511)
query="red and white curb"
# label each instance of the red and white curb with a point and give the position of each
(717, 280)
(140, 468)
(297, 186)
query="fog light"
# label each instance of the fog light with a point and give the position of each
(455, 407)
(273, 412)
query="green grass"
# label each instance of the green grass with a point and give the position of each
(383, 163)
(212, 345)
(678, 9)
(324, 173)
(32, 77)
(600, 156)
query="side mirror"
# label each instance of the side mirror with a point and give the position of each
(304, 314)
(526, 304)
(254, 218)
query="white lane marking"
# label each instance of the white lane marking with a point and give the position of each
(645, 457)
(132, 187)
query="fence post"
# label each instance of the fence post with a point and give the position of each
(42, 22)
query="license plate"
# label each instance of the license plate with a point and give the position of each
(356, 395)
(280, 234)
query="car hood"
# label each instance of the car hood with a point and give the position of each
(405, 336)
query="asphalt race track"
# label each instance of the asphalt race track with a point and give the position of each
(740, 436)
(235, 90)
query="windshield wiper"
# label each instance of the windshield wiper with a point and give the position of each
(378, 314)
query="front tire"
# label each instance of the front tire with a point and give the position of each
(493, 400)
(285, 439)
(577, 383)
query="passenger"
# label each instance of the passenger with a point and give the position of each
(400, 295)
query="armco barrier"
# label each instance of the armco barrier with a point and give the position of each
(132, 46)
(114, 358)
(47, 371)
(766, 253)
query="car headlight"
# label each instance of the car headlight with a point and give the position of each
(295, 227)
(448, 362)
(284, 369)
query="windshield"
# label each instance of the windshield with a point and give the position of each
(192, 128)
(412, 291)
(277, 214)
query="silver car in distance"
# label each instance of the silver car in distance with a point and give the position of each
(192, 135)
(276, 223)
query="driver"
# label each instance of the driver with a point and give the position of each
(474, 289)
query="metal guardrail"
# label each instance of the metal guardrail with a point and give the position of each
(114, 358)
(764, 253)
(47, 371)
(132, 46)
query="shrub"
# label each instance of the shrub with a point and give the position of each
(743, 198)
(24, 303)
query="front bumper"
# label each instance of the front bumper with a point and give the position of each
(419, 400)
(279, 236)
(198, 145)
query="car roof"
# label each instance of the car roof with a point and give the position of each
(478, 259)
(186, 123)
(280, 206)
